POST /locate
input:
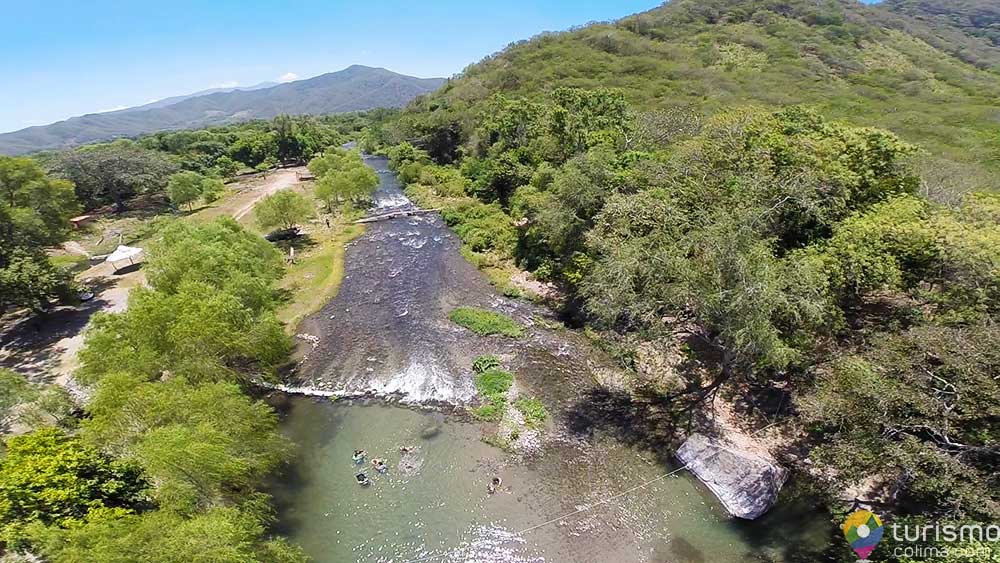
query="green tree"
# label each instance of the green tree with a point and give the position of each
(283, 210)
(226, 167)
(219, 535)
(34, 214)
(918, 409)
(55, 479)
(212, 189)
(14, 391)
(115, 172)
(184, 188)
(253, 147)
(197, 331)
(354, 184)
(220, 254)
(200, 445)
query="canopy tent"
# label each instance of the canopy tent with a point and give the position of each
(122, 253)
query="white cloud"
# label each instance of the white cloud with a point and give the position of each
(116, 108)
(288, 77)
(229, 84)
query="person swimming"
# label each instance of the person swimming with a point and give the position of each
(379, 465)
(494, 485)
(362, 479)
(359, 456)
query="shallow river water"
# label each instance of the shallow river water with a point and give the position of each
(587, 496)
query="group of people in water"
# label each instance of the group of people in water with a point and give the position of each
(378, 464)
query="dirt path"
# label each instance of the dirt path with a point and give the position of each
(276, 182)
(43, 348)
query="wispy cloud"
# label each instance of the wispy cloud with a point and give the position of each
(116, 108)
(228, 84)
(288, 77)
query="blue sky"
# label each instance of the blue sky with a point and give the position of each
(70, 57)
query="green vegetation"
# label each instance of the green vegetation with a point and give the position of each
(492, 386)
(869, 65)
(168, 462)
(342, 177)
(183, 188)
(50, 478)
(533, 410)
(485, 323)
(485, 363)
(664, 173)
(283, 210)
(34, 214)
(208, 316)
(114, 173)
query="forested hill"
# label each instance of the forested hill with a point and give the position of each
(980, 18)
(923, 78)
(352, 89)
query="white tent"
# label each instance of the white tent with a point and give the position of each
(121, 253)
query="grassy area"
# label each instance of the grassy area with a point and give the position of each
(71, 262)
(533, 410)
(485, 323)
(315, 276)
(493, 385)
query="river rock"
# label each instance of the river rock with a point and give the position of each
(747, 484)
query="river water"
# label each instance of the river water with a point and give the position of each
(594, 491)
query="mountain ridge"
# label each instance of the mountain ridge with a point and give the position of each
(866, 64)
(352, 89)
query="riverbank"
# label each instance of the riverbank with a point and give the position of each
(386, 336)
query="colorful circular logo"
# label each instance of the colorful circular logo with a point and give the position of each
(863, 531)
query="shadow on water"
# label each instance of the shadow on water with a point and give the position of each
(643, 419)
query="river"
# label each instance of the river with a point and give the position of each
(597, 488)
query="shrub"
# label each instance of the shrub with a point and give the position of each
(485, 363)
(533, 410)
(493, 385)
(485, 323)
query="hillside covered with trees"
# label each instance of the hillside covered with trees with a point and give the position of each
(807, 188)
(928, 82)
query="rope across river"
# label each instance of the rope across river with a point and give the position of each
(586, 508)
(564, 516)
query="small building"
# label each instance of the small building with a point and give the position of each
(81, 221)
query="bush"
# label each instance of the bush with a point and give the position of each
(483, 227)
(485, 323)
(55, 479)
(493, 385)
(533, 410)
(485, 363)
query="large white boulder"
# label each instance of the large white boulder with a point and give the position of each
(747, 484)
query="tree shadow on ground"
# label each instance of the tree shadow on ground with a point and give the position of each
(28, 340)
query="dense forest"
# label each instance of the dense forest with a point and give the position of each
(810, 189)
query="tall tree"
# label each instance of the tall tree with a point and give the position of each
(115, 172)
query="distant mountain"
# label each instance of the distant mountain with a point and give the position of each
(175, 99)
(352, 89)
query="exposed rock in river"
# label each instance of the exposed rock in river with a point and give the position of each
(746, 484)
